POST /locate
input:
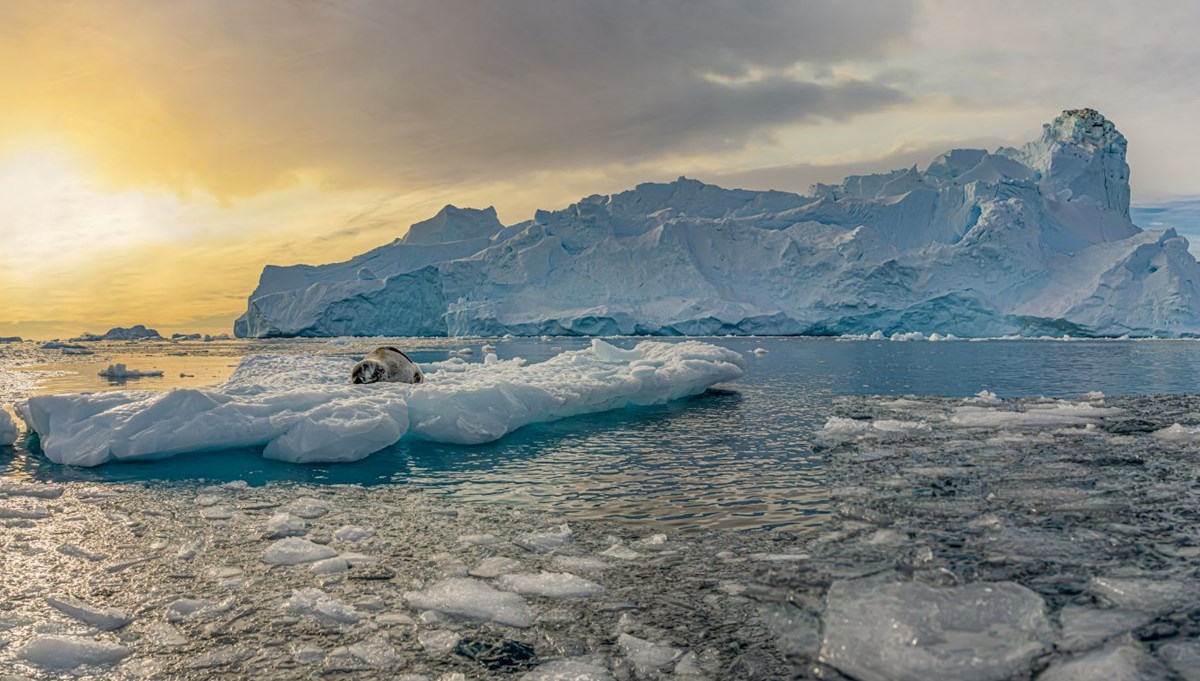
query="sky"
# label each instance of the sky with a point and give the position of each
(155, 155)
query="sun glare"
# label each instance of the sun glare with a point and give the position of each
(53, 213)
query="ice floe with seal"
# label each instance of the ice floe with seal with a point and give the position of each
(303, 409)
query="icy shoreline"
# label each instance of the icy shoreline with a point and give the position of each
(287, 581)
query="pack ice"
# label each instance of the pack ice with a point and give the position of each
(1034, 241)
(302, 408)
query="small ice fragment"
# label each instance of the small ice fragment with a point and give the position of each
(8, 429)
(283, 525)
(217, 513)
(376, 652)
(30, 489)
(1121, 662)
(321, 606)
(545, 541)
(438, 642)
(581, 563)
(550, 585)
(488, 347)
(104, 619)
(80, 552)
(647, 657)
(1183, 656)
(119, 371)
(654, 541)
(164, 635)
(389, 619)
(207, 499)
(330, 566)
(471, 599)
(309, 654)
(568, 670)
(190, 551)
(759, 351)
(308, 508)
(491, 358)
(479, 539)
(620, 552)
(68, 652)
(370, 604)
(294, 550)
(25, 513)
(462, 351)
(352, 533)
(495, 566)
(184, 608)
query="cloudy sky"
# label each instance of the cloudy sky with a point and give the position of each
(155, 155)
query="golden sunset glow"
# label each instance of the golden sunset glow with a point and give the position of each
(155, 155)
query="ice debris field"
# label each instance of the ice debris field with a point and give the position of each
(303, 408)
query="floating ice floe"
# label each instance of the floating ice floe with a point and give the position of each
(303, 409)
(322, 607)
(294, 550)
(68, 652)
(550, 585)
(472, 599)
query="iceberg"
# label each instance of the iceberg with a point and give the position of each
(1029, 241)
(8, 429)
(303, 408)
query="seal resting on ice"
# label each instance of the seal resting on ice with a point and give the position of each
(386, 364)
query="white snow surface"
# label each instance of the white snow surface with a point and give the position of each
(303, 408)
(1035, 241)
(8, 429)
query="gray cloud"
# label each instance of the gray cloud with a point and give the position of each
(457, 90)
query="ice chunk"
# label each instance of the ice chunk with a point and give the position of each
(185, 608)
(1061, 415)
(283, 525)
(294, 550)
(301, 409)
(8, 428)
(647, 657)
(220, 512)
(620, 552)
(68, 652)
(839, 429)
(438, 642)
(471, 599)
(545, 541)
(104, 619)
(550, 584)
(376, 652)
(479, 539)
(1123, 662)
(568, 670)
(1183, 657)
(1084, 627)
(330, 566)
(352, 533)
(322, 607)
(983, 631)
(307, 508)
(1178, 433)
(494, 566)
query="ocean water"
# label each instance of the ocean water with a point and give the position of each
(740, 456)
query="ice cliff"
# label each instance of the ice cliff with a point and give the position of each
(1033, 240)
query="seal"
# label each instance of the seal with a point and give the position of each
(386, 364)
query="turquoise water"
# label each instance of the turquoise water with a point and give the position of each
(739, 456)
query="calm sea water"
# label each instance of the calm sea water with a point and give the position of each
(739, 456)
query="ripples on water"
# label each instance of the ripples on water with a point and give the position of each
(739, 456)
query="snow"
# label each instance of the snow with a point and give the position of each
(550, 585)
(119, 371)
(879, 632)
(294, 550)
(1033, 241)
(302, 408)
(68, 652)
(472, 599)
(8, 429)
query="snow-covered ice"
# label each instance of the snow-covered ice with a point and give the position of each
(321, 607)
(302, 409)
(550, 585)
(285, 524)
(8, 428)
(68, 652)
(1035, 240)
(472, 599)
(543, 541)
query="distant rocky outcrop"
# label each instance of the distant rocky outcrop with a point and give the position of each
(137, 332)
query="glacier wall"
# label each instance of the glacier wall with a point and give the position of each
(1033, 240)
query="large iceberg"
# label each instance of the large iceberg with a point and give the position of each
(1035, 240)
(304, 409)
